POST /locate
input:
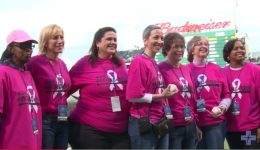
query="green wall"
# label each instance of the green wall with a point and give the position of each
(217, 40)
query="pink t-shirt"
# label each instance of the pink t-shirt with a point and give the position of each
(248, 97)
(214, 90)
(47, 83)
(94, 107)
(142, 79)
(178, 101)
(16, 131)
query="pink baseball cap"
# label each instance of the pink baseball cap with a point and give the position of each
(19, 36)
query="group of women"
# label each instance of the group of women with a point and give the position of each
(150, 106)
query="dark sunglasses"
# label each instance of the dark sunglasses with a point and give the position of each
(24, 46)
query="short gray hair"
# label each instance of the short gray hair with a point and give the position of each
(190, 46)
(147, 31)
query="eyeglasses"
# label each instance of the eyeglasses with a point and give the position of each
(239, 47)
(24, 46)
(201, 44)
(177, 47)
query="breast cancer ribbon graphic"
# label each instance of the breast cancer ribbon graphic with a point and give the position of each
(114, 82)
(184, 87)
(202, 82)
(160, 90)
(60, 83)
(236, 88)
(32, 97)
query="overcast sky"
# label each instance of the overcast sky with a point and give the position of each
(80, 19)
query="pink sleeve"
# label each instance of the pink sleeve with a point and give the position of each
(1, 97)
(137, 79)
(123, 63)
(257, 81)
(194, 95)
(29, 66)
(225, 93)
(76, 75)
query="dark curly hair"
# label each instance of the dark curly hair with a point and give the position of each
(169, 38)
(228, 48)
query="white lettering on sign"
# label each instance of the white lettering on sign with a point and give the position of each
(212, 59)
(212, 42)
(213, 56)
(212, 49)
(213, 52)
(220, 34)
(211, 45)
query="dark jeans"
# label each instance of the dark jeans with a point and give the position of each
(212, 137)
(145, 141)
(87, 137)
(183, 137)
(224, 130)
(54, 135)
(235, 142)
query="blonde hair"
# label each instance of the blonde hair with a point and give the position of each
(47, 33)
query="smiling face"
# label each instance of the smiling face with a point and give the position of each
(155, 41)
(107, 44)
(176, 51)
(56, 43)
(200, 49)
(238, 52)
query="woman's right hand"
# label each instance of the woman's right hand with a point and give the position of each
(167, 93)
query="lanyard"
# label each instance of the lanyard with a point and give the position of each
(184, 86)
(30, 96)
(59, 75)
(232, 80)
(202, 82)
(157, 72)
(113, 74)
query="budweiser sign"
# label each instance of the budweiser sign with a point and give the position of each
(188, 28)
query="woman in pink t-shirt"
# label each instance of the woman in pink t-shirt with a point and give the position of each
(212, 92)
(20, 110)
(53, 82)
(145, 89)
(242, 120)
(183, 104)
(100, 118)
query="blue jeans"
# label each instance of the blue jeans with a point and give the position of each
(54, 135)
(212, 137)
(183, 137)
(145, 141)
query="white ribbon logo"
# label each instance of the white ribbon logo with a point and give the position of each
(184, 87)
(60, 83)
(236, 88)
(114, 82)
(31, 97)
(160, 90)
(202, 83)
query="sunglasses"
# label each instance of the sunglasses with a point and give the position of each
(24, 46)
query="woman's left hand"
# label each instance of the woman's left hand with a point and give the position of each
(199, 134)
(258, 136)
(223, 110)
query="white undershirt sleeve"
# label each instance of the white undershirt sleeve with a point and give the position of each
(147, 98)
(225, 102)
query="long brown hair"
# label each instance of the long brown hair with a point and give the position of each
(93, 52)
